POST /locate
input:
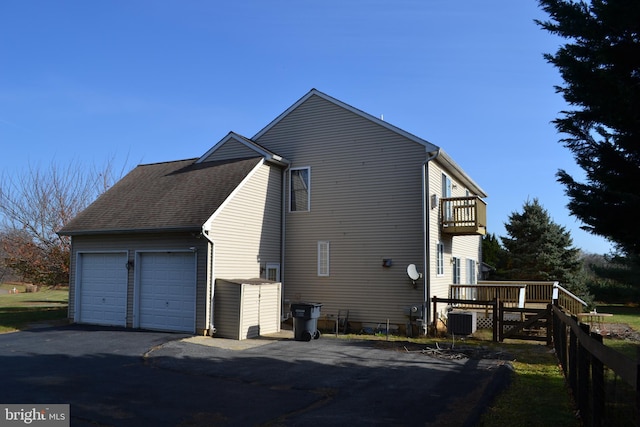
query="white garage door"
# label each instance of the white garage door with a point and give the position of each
(102, 289)
(167, 291)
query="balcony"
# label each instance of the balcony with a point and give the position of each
(463, 216)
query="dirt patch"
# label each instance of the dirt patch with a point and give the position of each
(447, 350)
(620, 331)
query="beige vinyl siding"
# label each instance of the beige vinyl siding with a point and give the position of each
(365, 200)
(439, 285)
(131, 243)
(463, 247)
(246, 230)
(231, 149)
(467, 247)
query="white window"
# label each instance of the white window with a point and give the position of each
(456, 270)
(323, 258)
(446, 192)
(273, 272)
(446, 186)
(299, 189)
(440, 259)
(472, 277)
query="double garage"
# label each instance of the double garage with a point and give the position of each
(163, 296)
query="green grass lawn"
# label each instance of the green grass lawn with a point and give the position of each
(19, 310)
(537, 395)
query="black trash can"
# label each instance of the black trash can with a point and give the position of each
(305, 320)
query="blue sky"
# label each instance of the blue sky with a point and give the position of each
(149, 81)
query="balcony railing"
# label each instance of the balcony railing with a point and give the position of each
(463, 215)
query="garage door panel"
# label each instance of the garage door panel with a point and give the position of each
(167, 291)
(102, 288)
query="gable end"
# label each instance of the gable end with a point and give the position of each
(314, 92)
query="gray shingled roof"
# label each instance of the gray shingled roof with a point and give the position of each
(172, 196)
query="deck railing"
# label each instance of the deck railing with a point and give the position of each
(512, 294)
(567, 300)
(536, 291)
(520, 293)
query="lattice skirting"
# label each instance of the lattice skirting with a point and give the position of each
(486, 322)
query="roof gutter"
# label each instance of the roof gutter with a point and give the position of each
(190, 229)
(461, 175)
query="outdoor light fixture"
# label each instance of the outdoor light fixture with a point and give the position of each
(387, 262)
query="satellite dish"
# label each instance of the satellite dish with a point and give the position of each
(412, 271)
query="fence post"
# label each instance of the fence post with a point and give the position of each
(560, 342)
(500, 320)
(597, 384)
(583, 386)
(550, 325)
(638, 385)
(495, 320)
(573, 343)
(563, 332)
(435, 316)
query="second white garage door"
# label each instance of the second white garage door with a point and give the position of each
(167, 291)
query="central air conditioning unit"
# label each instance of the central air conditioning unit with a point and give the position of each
(462, 322)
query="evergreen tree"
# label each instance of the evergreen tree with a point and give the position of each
(600, 66)
(494, 255)
(540, 249)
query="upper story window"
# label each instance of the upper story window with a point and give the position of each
(446, 192)
(446, 186)
(300, 186)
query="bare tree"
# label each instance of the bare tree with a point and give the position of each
(38, 202)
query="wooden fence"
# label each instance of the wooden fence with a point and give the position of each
(605, 383)
(534, 324)
(529, 319)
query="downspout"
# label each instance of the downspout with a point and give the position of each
(210, 255)
(283, 228)
(426, 244)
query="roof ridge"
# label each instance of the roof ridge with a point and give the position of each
(167, 162)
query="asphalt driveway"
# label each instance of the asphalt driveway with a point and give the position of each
(116, 377)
